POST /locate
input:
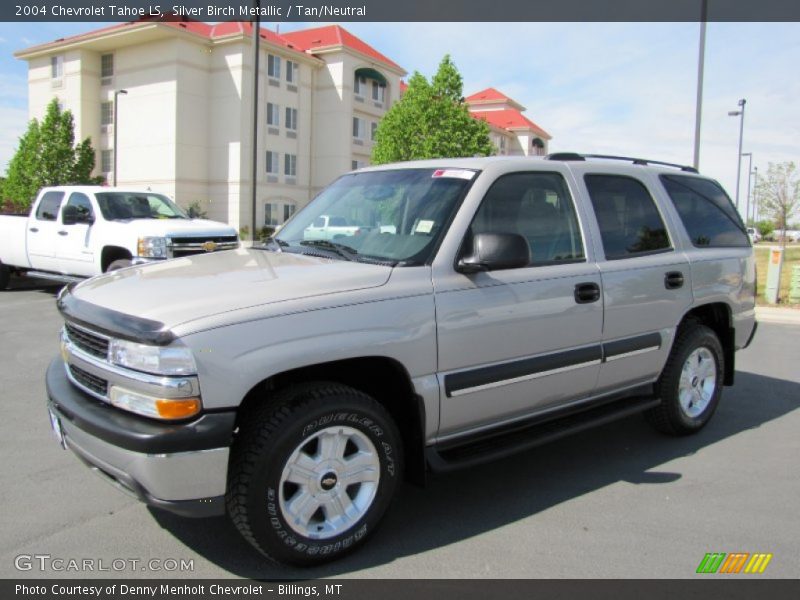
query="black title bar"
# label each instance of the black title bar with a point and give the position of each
(406, 10)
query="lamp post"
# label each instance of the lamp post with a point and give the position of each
(755, 203)
(749, 179)
(739, 113)
(116, 127)
(700, 66)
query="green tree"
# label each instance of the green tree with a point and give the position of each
(431, 121)
(779, 194)
(47, 155)
(765, 228)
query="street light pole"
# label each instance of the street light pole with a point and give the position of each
(700, 67)
(116, 127)
(739, 113)
(256, 37)
(755, 202)
(749, 176)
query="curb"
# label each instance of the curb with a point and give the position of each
(787, 316)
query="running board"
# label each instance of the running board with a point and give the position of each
(506, 441)
(54, 276)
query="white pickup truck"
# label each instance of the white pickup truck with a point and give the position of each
(327, 227)
(82, 231)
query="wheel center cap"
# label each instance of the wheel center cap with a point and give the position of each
(328, 481)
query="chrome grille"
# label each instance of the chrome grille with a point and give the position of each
(88, 342)
(89, 381)
(187, 246)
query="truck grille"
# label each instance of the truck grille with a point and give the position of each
(89, 381)
(187, 246)
(89, 343)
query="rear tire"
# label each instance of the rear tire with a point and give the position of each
(313, 472)
(691, 383)
(120, 263)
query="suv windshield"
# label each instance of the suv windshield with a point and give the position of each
(386, 216)
(118, 206)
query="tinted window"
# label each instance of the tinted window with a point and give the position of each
(706, 211)
(48, 207)
(82, 203)
(538, 207)
(629, 221)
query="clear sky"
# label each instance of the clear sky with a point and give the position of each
(614, 88)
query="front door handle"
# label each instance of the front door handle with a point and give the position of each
(673, 280)
(586, 293)
(63, 233)
(33, 229)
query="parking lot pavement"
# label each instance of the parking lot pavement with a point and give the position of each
(618, 501)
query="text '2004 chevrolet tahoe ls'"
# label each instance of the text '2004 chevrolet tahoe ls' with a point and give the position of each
(484, 306)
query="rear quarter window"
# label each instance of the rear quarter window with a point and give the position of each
(706, 211)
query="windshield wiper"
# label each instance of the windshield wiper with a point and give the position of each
(342, 250)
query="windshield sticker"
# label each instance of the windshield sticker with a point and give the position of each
(454, 173)
(424, 227)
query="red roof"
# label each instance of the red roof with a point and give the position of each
(304, 41)
(509, 119)
(487, 95)
(334, 35)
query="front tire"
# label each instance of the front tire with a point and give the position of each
(691, 383)
(313, 472)
(5, 276)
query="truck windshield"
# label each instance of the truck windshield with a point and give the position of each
(120, 206)
(393, 216)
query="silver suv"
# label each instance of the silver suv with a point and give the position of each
(475, 308)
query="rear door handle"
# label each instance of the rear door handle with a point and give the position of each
(63, 233)
(33, 229)
(586, 293)
(673, 280)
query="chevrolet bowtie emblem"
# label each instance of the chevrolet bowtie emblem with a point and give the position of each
(209, 246)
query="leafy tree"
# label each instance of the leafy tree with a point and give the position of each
(431, 121)
(765, 228)
(779, 194)
(47, 155)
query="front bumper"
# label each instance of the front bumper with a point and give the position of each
(179, 467)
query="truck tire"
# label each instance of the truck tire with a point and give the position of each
(120, 263)
(312, 473)
(5, 276)
(691, 383)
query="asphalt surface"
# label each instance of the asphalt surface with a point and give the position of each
(618, 501)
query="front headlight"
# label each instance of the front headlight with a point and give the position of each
(152, 247)
(160, 360)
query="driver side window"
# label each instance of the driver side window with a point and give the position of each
(538, 207)
(82, 204)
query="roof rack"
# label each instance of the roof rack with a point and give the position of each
(574, 156)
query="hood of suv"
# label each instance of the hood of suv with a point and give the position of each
(178, 228)
(184, 289)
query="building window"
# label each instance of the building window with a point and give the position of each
(273, 114)
(358, 128)
(357, 164)
(502, 144)
(272, 162)
(274, 66)
(290, 165)
(373, 129)
(291, 118)
(107, 67)
(378, 91)
(106, 113)
(292, 72)
(271, 214)
(56, 67)
(360, 86)
(288, 211)
(106, 161)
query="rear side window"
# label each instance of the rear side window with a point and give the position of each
(630, 224)
(48, 207)
(706, 211)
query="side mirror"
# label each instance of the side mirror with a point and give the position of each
(70, 216)
(496, 251)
